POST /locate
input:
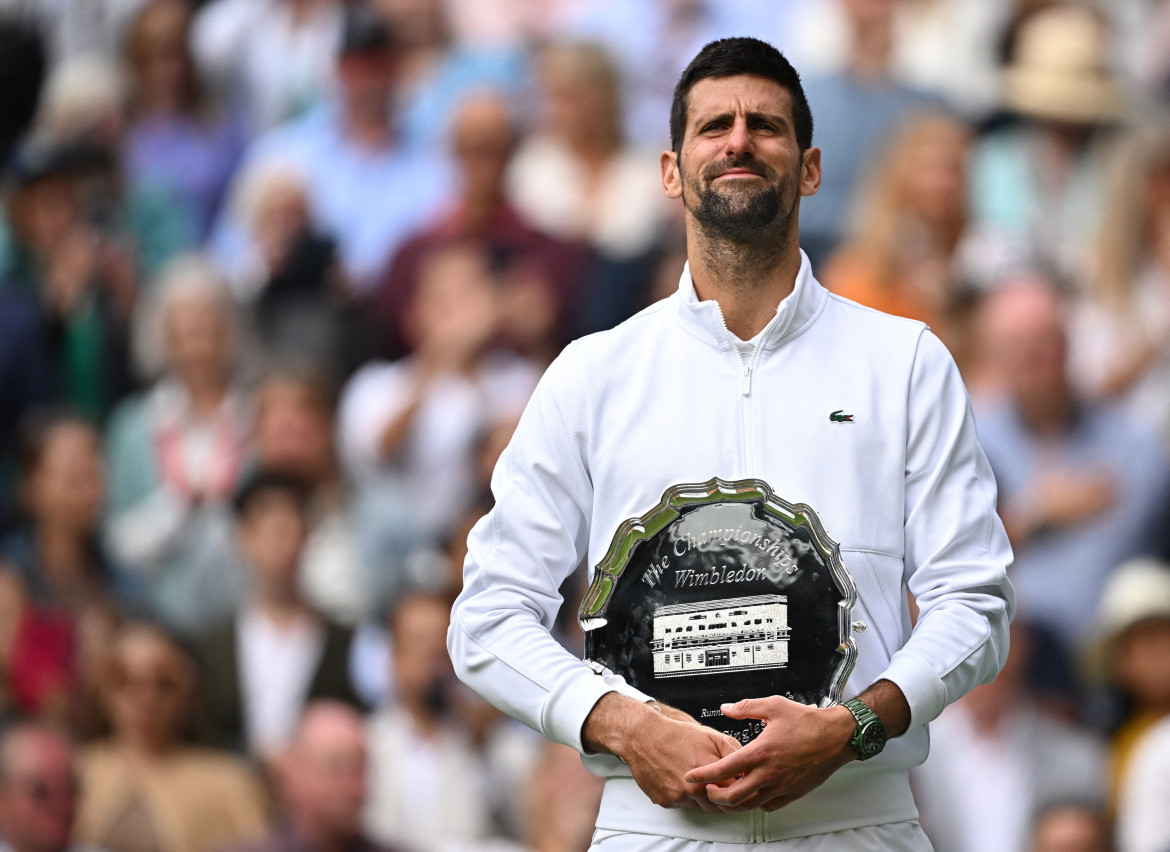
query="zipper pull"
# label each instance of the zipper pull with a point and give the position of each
(747, 380)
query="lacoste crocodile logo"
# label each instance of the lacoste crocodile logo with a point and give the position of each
(838, 417)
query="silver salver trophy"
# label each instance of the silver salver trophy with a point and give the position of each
(723, 591)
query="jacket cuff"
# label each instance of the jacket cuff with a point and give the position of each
(567, 707)
(924, 690)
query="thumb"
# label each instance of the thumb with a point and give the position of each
(748, 708)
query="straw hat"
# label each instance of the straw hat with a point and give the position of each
(1138, 590)
(1059, 69)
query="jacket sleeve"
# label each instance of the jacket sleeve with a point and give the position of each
(956, 551)
(519, 554)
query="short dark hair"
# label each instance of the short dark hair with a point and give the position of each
(262, 482)
(730, 57)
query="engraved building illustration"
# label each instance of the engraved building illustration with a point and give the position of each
(721, 635)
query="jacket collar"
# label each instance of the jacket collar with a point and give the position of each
(794, 314)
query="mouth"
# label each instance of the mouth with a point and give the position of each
(738, 174)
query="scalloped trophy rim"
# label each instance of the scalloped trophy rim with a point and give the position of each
(633, 531)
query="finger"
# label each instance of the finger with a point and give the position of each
(701, 801)
(736, 763)
(734, 795)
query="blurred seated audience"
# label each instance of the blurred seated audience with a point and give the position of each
(276, 654)
(421, 758)
(1081, 487)
(576, 178)
(148, 786)
(174, 452)
(412, 427)
(435, 71)
(1121, 338)
(997, 757)
(1071, 826)
(38, 789)
(856, 110)
(274, 57)
(909, 219)
(1130, 654)
(368, 188)
(1039, 179)
(176, 137)
(321, 779)
(543, 272)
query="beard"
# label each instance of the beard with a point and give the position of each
(741, 212)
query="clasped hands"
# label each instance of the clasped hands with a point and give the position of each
(679, 763)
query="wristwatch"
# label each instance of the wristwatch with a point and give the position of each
(869, 738)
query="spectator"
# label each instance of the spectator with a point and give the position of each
(67, 278)
(147, 786)
(857, 108)
(175, 451)
(542, 290)
(1040, 179)
(38, 790)
(65, 583)
(909, 219)
(275, 56)
(997, 757)
(412, 427)
(435, 73)
(1131, 654)
(295, 436)
(1081, 488)
(367, 187)
(176, 138)
(290, 275)
(577, 179)
(86, 103)
(322, 784)
(277, 653)
(1071, 827)
(1121, 340)
(420, 758)
(1142, 821)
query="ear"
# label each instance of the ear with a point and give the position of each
(810, 172)
(671, 179)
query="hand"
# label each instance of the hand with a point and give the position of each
(659, 743)
(659, 759)
(798, 749)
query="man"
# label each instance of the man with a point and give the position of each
(367, 188)
(738, 375)
(277, 653)
(321, 780)
(421, 757)
(38, 790)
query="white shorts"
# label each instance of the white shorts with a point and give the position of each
(895, 836)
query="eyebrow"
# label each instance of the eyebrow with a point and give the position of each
(726, 115)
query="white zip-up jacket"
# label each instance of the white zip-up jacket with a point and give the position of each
(667, 398)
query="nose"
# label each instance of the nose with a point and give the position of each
(739, 140)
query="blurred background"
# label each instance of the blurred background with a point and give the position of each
(277, 278)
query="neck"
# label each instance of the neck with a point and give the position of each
(284, 608)
(1047, 414)
(207, 391)
(316, 838)
(748, 279)
(480, 208)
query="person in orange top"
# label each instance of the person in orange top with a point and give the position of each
(909, 218)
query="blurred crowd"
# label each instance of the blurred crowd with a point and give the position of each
(277, 278)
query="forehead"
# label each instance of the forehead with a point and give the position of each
(743, 93)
